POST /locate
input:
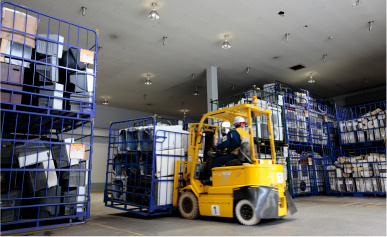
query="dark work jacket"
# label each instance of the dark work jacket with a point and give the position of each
(232, 142)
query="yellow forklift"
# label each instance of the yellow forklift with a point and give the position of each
(249, 188)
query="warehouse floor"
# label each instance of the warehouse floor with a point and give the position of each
(315, 216)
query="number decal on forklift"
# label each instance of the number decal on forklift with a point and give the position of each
(215, 210)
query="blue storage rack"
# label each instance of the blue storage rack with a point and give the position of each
(141, 164)
(279, 87)
(306, 169)
(296, 118)
(309, 122)
(48, 80)
(53, 64)
(362, 125)
(266, 100)
(302, 171)
(357, 172)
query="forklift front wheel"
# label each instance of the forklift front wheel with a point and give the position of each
(188, 205)
(245, 213)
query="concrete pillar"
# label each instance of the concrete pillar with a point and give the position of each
(212, 86)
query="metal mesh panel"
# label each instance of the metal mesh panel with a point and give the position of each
(356, 171)
(296, 118)
(48, 73)
(265, 100)
(45, 170)
(48, 65)
(141, 162)
(363, 124)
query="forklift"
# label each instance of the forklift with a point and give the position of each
(249, 188)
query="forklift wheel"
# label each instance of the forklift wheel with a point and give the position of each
(245, 213)
(188, 205)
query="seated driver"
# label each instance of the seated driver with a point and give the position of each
(232, 143)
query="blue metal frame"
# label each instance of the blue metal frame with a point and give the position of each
(34, 136)
(140, 165)
(87, 104)
(296, 118)
(24, 135)
(302, 171)
(309, 122)
(279, 87)
(359, 127)
(356, 171)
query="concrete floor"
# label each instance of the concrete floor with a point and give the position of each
(330, 216)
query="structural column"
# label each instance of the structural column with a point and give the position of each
(212, 87)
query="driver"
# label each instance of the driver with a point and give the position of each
(232, 144)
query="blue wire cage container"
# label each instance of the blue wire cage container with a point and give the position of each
(296, 117)
(48, 65)
(302, 171)
(356, 172)
(141, 164)
(43, 182)
(362, 125)
(48, 80)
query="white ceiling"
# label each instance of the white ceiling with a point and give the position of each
(195, 31)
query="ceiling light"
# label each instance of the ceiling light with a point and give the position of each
(153, 15)
(105, 102)
(83, 11)
(325, 57)
(196, 92)
(226, 44)
(148, 80)
(193, 76)
(247, 70)
(311, 80)
(164, 39)
(113, 36)
(370, 22)
(287, 37)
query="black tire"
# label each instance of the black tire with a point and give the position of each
(188, 205)
(245, 213)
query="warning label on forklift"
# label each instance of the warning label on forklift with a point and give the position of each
(215, 210)
(280, 177)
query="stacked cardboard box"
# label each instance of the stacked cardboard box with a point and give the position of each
(14, 43)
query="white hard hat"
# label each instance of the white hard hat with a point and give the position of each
(238, 120)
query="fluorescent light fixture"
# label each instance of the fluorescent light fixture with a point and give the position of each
(105, 102)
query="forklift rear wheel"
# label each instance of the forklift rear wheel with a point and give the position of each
(245, 213)
(188, 205)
